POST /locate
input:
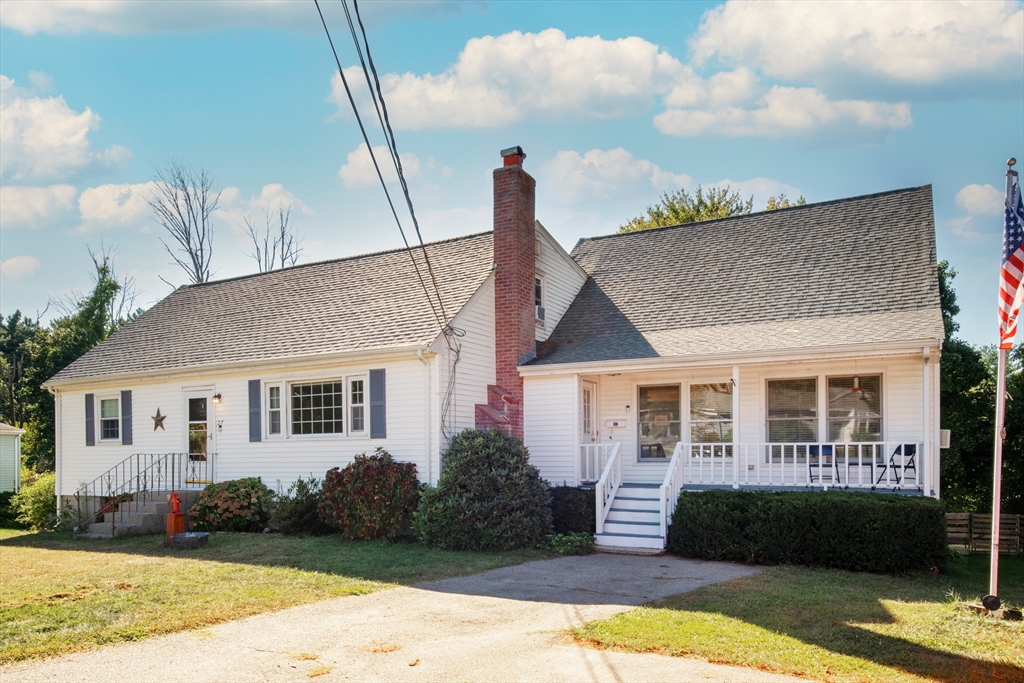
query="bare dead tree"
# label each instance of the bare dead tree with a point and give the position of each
(277, 246)
(183, 203)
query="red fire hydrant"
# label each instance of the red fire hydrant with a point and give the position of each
(175, 520)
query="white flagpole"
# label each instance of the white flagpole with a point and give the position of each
(997, 469)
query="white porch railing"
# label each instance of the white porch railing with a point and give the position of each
(608, 485)
(670, 488)
(593, 457)
(864, 465)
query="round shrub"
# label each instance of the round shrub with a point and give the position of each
(489, 496)
(237, 505)
(374, 497)
(298, 510)
(36, 503)
(573, 510)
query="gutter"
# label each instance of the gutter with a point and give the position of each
(808, 354)
(221, 368)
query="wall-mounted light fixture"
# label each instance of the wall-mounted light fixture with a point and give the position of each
(216, 398)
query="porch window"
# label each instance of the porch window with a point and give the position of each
(110, 419)
(792, 410)
(357, 404)
(318, 408)
(274, 410)
(855, 408)
(711, 413)
(658, 421)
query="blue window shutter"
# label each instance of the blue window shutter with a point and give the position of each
(90, 420)
(378, 412)
(126, 418)
(255, 428)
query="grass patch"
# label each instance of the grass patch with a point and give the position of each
(836, 626)
(61, 594)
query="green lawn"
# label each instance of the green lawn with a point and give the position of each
(837, 626)
(60, 594)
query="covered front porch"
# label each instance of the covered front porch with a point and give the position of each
(641, 437)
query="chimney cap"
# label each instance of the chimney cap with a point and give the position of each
(516, 151)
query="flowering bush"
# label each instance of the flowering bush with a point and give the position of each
(237, 505)
(374, 497)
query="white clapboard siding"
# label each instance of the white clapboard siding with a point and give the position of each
(562, 280)
(902, 405)
(475, 369)
(549, 404)
(279, 461)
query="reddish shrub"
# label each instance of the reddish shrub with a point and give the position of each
(374, 497)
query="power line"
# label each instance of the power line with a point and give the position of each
(442, 323)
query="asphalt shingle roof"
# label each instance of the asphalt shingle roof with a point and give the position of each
(848, 271)
(360, 303)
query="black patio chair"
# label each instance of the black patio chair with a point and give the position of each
(908, 452)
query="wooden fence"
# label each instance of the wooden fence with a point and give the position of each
(971, 532)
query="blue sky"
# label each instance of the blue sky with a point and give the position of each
(614, 103)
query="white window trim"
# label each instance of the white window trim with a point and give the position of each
(282, 388)
(683, 404)
(819, 424)
(689, 414)
(100, 398)
(543, 295)
(882, 398)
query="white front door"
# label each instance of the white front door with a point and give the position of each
(200, 433)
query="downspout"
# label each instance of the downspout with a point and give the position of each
(426, 418)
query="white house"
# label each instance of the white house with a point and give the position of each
(10, 457)
(796, 348)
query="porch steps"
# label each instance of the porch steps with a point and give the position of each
(148, 519)
(632, 524)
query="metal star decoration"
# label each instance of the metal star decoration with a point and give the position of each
(158, 420)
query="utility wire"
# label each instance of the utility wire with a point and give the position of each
(442, 322)
(385, 124)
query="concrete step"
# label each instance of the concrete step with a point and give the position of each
(108, 530)
(648, 527)
(631, 515)
(626, 540)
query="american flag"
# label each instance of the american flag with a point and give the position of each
(1011, 276)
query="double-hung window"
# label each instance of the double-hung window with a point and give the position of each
(711, 413)
(357, 404)
(110, 419)
(318, 407)
(792, 410)
(658, 421)
(274, 409)
(855, 408)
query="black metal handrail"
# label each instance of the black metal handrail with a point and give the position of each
(139, 480)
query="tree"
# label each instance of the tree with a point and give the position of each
(16, 334)
(681, 207)
(183, 203)
(782, 202)
(277, 246)
(55, 347)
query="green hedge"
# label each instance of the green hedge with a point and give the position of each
(573, 510)
(855, 531)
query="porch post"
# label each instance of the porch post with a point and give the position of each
(735, 426)
(925, 467)
(576, 428)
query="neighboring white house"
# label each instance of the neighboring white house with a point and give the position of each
(10, 457)
(793, 348)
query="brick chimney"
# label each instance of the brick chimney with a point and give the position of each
(514, 312)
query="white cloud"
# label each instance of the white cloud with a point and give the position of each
(358, 170)
(963, 228)
(760, 189)
(607, 174)
(33, 206)
(785, 111)
(234, 207)
(975, 199)
(116, 16)
(19, 266)
(114, 205)
(500, 79)
(902, 42)
(44, 139)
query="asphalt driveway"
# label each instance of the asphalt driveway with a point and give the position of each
(502, 625)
